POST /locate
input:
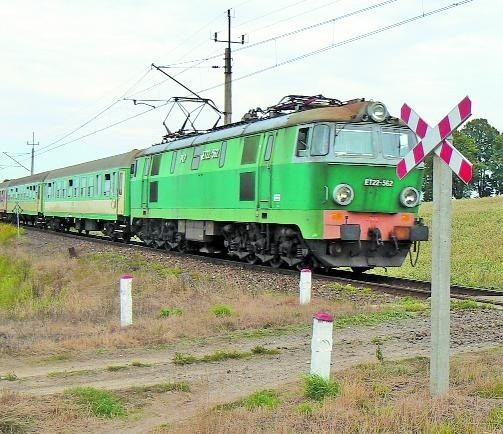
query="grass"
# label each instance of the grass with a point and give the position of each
(388, 397)
(100, 403)
(138, 364)
(473, 232)
(15, 284)
(66, 374)
(264, 398)
(170, 311)
(115, 368)
(318, 388)
(181, 386)
(372, 318)
(220, 355)
(8, 232)
(10, 376)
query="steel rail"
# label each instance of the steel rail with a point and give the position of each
(391, 285)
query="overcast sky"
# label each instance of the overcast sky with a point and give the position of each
(63, 62)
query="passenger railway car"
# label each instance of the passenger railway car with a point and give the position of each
(92, 196)
(3, 199)
(24, 197)
(315, 186)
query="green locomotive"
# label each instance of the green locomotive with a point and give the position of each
(312, 182)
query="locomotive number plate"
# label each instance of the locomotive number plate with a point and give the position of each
(369, 182)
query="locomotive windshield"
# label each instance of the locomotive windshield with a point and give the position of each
(354, 140)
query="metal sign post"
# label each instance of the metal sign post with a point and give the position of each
(18, 210)
(446, 158)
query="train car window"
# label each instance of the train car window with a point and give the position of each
(153, 191)
(320, 140)
(302, 142)
(90, 188)
(121, 177)
(156, 164)
(250, 148)
(83, 186)
(98, 185)
(396, 142)
(196, 158)
(223, 151)
(268, 149)
(354, 141)
(108, 186)
(173, 162)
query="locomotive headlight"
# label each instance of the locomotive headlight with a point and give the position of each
(343, 194)
(409, 197)
(377, 111)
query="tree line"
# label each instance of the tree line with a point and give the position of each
(481, 144)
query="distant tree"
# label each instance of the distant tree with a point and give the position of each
(467, 146)
(497, 165)
(487, 139)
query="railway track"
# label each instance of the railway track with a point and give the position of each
(392, 285)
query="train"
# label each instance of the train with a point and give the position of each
(309, 182)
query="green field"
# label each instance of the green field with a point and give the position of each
(477, 245)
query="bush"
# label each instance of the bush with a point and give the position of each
(221, 310)
(170, 311)
(318, 388)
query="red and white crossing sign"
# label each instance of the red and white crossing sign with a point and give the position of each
(435, 139)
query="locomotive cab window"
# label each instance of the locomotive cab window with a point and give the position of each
(223, 151)
(250, 148)
(354, 141)
(156, 164)
(302, 142)
(268, 149)
(320, 140)
(196, 158)
(396, 143)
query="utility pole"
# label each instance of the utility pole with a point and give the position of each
(32, 144)
(228, 69)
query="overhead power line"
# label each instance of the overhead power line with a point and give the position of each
(294, 32)
(346, 41)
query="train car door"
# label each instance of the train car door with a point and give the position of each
(121, 192)
(265, 171)
(145, 183)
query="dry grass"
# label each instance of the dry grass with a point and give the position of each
(477, 257)
(390, 397)
(77, 302)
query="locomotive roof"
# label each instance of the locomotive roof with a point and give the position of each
(353, 111)
(116, 161)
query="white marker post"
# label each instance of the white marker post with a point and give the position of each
(126, 300)
(305, 286)
(440, 277)
(321, 344)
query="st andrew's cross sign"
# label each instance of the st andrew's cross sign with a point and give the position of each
(436, 139)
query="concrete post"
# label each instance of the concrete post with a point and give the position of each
(126, 300)
(305, 286)
(440, 277)
(321, 344)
